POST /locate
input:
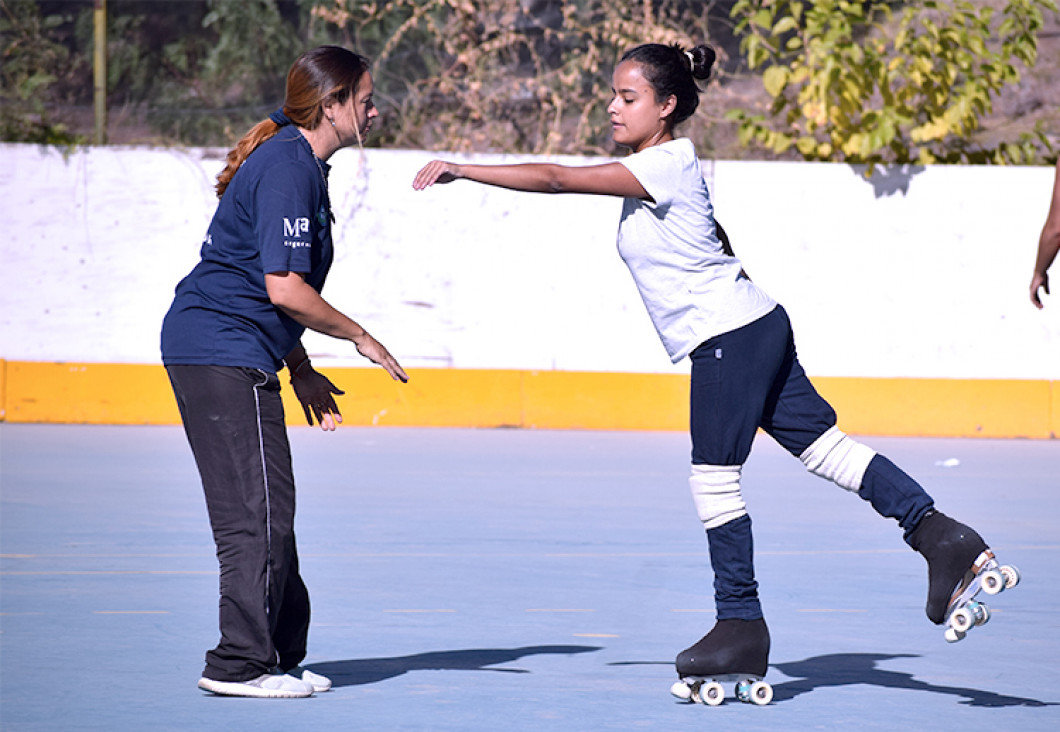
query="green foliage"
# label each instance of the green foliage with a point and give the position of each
(231, 71)
(861, 83)
(32, 64)
(500, 75)
(867, 81)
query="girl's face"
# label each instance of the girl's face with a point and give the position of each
(353, 119)
(638, 119)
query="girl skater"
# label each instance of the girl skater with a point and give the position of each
(236, 320)
(745, 374)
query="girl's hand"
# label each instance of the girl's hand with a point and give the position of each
(436, 171)
(1040, 281)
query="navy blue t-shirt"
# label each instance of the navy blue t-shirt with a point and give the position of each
(273, 217)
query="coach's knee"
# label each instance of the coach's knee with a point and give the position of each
(716, 493)
(838, 458)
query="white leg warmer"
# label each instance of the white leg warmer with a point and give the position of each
(716, 493)
(838, 458)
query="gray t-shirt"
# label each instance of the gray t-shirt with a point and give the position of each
(692, 289)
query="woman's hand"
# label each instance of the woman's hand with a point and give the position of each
(436, 171)
(375, 352)
(291, 294)
(314, 391)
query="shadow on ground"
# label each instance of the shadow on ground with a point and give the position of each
(850, 669)
(355, 672)
(844, 669)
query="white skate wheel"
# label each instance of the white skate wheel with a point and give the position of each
(992, 582)
(1011, 575)
(712, 694)
(962, 620)
(761, 693)
(681, 690)
(952, 636)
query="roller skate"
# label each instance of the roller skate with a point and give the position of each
(960, 566)
(734, 650)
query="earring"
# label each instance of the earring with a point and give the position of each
(331, 121)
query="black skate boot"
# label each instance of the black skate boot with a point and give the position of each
(734, 650)
(952, 551)
(960, 565)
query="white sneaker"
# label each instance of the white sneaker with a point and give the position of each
(270, 686)
(318, 682)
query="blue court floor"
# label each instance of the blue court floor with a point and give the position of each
(513, 580)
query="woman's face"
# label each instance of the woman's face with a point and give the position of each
(638, 119)
(353, 119)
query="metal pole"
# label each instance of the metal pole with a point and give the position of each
(99, 70)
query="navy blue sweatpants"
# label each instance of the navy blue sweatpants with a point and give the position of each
(750, 378)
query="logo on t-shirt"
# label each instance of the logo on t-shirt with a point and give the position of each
(295, 228)
(298, 230)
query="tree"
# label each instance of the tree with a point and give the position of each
(861, 83)
(33, 66)
(227, 76)
(502, 75)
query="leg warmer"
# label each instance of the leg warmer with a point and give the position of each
(716, 493)
(838, 458)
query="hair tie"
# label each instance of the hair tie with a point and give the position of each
(281, 119)
(691, 61)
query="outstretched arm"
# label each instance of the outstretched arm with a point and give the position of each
(291, 293)
(609, 179)
(1048, 245)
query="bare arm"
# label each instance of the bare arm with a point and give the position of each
(609, 179)
(291, 293)
(1048, 245)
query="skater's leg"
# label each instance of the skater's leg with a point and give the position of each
(858, 468)
(732, 559)
(731, 377)
(798, 418)
(716, 494)
(894, 494)
(804, 424)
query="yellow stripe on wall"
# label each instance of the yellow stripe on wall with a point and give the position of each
(95, 393)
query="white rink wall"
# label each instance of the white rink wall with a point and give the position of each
(922, 273)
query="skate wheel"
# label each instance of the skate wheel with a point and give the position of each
(761, 693)
(952, 635)
(681, 690)
(962, 620)
(992, 582)
(754, 691)
(1011, 575)
(983, 615)
(712, 694)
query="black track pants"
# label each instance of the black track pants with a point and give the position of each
(234, 421)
